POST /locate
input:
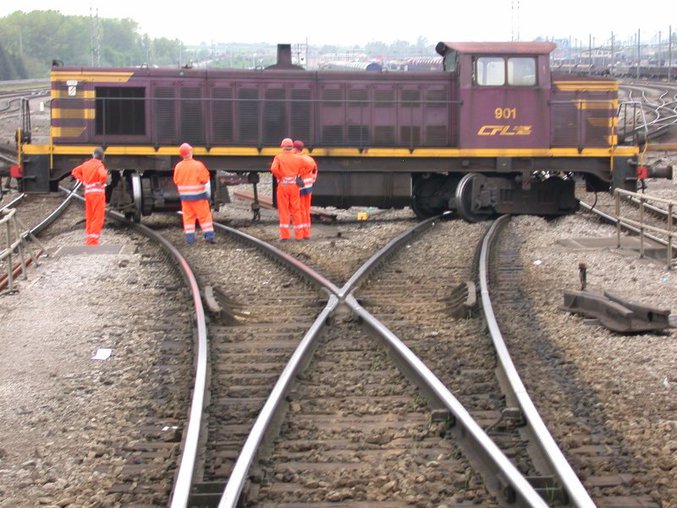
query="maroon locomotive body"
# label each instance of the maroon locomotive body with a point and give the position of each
(492, 132)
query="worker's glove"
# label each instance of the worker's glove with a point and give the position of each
(299, 181)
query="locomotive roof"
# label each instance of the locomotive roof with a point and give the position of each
(497, 48)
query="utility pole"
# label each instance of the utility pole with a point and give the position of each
(613, 54)
(659, 53)
(95, 37)
(639, 53)
(670, 55)
(515, 12)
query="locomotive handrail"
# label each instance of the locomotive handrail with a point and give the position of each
(635, 106)
(641, 225)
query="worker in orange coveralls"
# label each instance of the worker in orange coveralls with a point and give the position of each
(286, 168)
(191, 178)
(309, 175)
(93, 175)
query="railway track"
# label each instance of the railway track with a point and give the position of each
(272, 478)
(650, 110)
(143, 471)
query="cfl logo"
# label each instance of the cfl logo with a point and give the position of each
(504, 130)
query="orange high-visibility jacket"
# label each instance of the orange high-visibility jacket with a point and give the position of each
(191, 177)
(92, 174)
(286, 167)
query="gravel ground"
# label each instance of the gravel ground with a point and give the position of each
(633, 376)
(65, 412)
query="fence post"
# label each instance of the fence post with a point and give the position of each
(617, 200)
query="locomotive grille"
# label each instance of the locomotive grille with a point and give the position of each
(274, 116)
(191, 115)
(436, 98)
(384, 98)
(358, 135)
(222, 119)
(436, 135)
(411, 98)
(165, 115)
(300, 114)
(248, 118)
(384, 135)
(357, 98)
(120, 111)
(332, 135)
(410, 135)
(332, 97)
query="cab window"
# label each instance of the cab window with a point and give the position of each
(499, 71)
(490, 71)
(521, 71)
(450, 61)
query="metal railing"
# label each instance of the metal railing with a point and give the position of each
(14, 243)
(15, 239)
(641, 226)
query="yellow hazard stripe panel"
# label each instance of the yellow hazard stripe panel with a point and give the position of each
(586, 86)
(81, 94)
(66, 132)
(600, 122)
(81, 114)
(93, 76)
(339, 152)
(596, 105)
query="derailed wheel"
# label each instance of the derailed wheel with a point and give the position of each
(466, 204)
(137, 196)
(430, 195)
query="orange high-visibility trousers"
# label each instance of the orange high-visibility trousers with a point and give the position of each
(289, 209)
(95, 216)
(305, 210)
(197, 211)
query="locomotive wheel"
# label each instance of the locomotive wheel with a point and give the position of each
(137, 196)
(429, 196)
(464, 199)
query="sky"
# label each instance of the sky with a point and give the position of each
(357, 22)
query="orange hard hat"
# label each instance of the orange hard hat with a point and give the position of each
(287, 142)
(185, 149)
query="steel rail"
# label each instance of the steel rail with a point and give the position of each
(13, 202)
(384, 252)
(492, 459)
(186, 468)
(310, 274)
(273, 405)
(551, 452)
(58, 211)
(481, 446)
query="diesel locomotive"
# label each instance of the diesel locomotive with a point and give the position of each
(493, 131)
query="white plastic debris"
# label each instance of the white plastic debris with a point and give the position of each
(538, 262)
(103, 353)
